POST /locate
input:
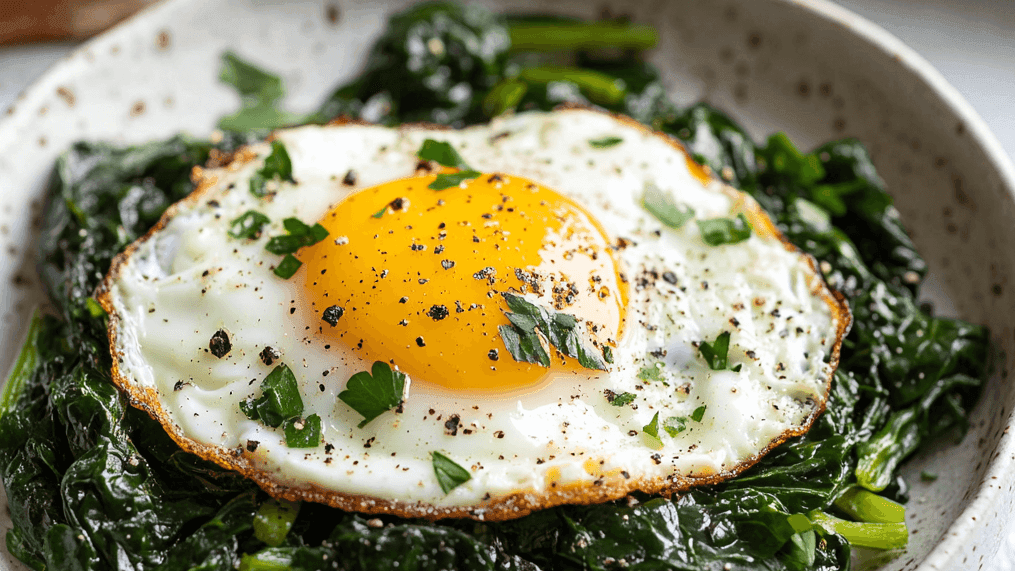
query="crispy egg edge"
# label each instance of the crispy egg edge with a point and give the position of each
(608, 487)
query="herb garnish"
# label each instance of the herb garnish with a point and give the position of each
(287, 267)
(248, 225)
(605, 142)
(449, 474)
(618, 399)
(302, 432)
(652, 428)
(674, 425)
(280, 399)
(661, 205)
(715, 354)
(277, 166)
(719, 231)
(524, 342)
(445, 155)
(450, 180)
(650, 433)
(442, 153)
(298, 234)
(374, 395)
(651, 372)
(698, 414)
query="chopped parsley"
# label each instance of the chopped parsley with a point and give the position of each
(277, 166)
(373, 395)
(445, 155)
(650, 432)
(450, 180)
(651, 373)
(302, 432)
(280, 399)
(715, 353)
(605, 142)
(674, 425)
(698, 414)
(380, 212)
(298, 234)
(652, 428)
(248, 225)
(449, 474)
(928, 476)
(287, 267)
(608, 354)
(618, 399)
(524, 342)
(720, 231)
(442, 153)
(661, 205)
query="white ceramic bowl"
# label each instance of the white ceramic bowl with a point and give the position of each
(805, 67)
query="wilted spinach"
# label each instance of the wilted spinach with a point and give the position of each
(96, 484)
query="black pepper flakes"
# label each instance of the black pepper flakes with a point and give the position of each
(350, 178)
(420, 342)
(403, 300)
(437, 312)
(670, 278)
(451, 425)
(178, 385)
(447, 264)
(493, 355)
(219, 344)
(332, 314)
(269, 355)
(252, 445)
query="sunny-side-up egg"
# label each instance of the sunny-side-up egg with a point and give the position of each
(552, 308)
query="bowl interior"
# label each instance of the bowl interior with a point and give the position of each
(806, 68)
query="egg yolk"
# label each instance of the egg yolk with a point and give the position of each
(417, 274)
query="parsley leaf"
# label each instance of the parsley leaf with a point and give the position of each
(661, 205)
(302, 432)
(449, 474)
(560, 330)
(298, 235)
(651, 433)
(287, 267)
(373, 395)
(446, 155)
(443, 154)
(674, 425)
(716, 353)
(719, 231)
(608, 354)
(280, 399)
(451, 180)
(618, 399)
(698, 414)
(248, 225)
(605, 142)
(380, 212)
(277, 166)
(652, 428)
(652, 372)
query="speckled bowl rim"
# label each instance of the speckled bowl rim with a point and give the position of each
(1003, 464)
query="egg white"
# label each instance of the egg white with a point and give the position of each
(560, 442)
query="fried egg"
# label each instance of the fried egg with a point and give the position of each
(558, 216)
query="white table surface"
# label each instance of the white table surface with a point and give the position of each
(971, 42)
